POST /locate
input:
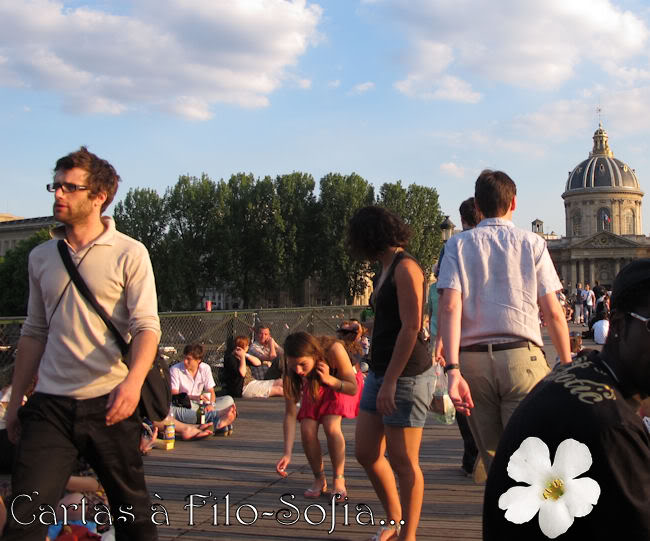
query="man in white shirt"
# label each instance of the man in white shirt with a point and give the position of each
(494, 277)
(601, 330)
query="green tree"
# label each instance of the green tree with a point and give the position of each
(187, 266)
(14, 277)
(253, 230)
(298, 208)
(142, 216)
(419, 208)
(340, 197)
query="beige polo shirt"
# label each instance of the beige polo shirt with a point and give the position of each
(81, 358)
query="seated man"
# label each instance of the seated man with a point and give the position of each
(237, 377)
(194, 377)
(264, 347)
(267, 350)
(594, 401)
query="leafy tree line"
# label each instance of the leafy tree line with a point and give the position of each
(252, 237)
(258, 237)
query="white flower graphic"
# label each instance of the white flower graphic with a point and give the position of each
(554, 490)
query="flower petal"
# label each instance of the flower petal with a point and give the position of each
(521, 503)
(531, 463)
(581, 495)
(554, 518)
(572, 458)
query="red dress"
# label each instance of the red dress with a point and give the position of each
(330, 402)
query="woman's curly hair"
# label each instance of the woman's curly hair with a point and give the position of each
(373, 229)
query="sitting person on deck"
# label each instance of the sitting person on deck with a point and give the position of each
(238, 380)
(194, 378)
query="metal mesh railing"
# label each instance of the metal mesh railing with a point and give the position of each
(214, 329)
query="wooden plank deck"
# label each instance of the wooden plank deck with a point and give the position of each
(241, 469)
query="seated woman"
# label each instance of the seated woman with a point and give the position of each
(193, 377)
(350, 333)
(239, 382)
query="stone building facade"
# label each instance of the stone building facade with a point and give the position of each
(14, 229)
(602, 202)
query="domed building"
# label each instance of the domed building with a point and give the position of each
(602, 203)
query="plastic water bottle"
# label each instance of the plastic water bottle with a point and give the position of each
(170, 428)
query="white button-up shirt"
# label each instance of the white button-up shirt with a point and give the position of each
(500, 272)
(183, 382)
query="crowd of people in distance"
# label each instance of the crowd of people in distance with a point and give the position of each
(69, 423)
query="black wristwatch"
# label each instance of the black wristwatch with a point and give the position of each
(449, 367)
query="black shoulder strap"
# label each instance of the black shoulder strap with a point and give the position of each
(83, 289)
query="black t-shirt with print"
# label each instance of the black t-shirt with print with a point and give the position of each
(581, 401)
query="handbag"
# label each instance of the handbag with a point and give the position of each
(156, 392)
(181, 400)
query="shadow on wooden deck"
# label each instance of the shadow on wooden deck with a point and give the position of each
(238, 472)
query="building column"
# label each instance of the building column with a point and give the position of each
(592, 272)
(574, 274)
(565, 272)
(581, 276)
(617, 266)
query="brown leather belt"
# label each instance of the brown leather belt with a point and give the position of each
(497, 347)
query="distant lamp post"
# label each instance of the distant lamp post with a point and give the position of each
(447, 227)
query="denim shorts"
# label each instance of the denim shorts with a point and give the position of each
(412, 398)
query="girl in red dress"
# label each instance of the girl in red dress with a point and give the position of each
(318, 373)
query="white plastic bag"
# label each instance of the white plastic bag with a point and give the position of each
(442, 408)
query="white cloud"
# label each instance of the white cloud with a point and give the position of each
(334, 84)
(452, 169)
(173, 55)
(559, 120)
(362, 88)
(491, 143)
(625, 111)
(528, 44)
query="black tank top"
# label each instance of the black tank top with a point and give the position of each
(387, 326)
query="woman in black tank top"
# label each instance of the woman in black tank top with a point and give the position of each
(399, 385)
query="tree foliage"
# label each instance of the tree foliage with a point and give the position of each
(14, 277)
(340, 197)
(419, 208)
(260, 238)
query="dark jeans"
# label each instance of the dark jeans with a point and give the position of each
(7, 451)
(54, 431)
(470, 450)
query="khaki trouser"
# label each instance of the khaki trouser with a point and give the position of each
(499, 381)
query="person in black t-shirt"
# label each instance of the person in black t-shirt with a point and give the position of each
(595, 401)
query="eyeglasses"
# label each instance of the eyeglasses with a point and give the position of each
(66, 187)
(347, 331)
(645, 320)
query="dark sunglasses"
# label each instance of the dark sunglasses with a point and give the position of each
(347, 331)
(66, 187)
(645, 320)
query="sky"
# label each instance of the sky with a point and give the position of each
(426, 92)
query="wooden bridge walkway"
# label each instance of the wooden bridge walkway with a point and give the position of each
(240, 471)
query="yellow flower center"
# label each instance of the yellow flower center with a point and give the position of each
(554, 490)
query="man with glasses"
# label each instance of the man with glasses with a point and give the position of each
(86, 397)
(594, 401)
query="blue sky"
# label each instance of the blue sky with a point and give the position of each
(421, 91)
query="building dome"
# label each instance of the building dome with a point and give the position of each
(602, 194)
(601, 171)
